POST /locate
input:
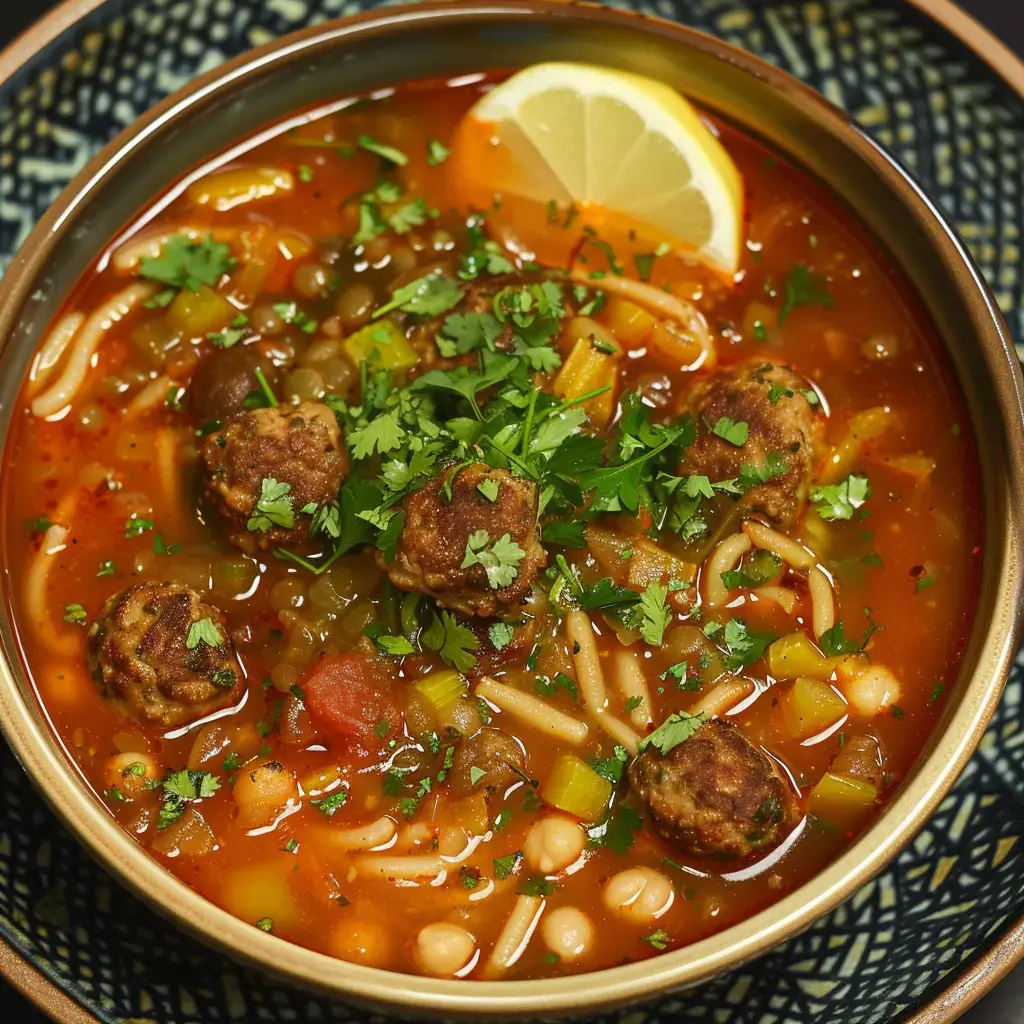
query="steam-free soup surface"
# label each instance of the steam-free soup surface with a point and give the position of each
(407, 597)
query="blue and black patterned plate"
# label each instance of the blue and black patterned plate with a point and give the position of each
(901, 939)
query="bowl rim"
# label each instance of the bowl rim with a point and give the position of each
(60, 784)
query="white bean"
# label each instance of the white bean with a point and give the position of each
(568, 932)
(553, 844)
(443, 949)
(873, 690)
(640, 894)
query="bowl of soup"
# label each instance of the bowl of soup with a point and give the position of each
(433, 589)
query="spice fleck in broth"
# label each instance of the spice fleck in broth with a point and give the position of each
(487, 589)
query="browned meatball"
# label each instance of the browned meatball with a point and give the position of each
(297, 447)
(160, 654)
(771, 400)
(493, 752)
(715, 794)
(224, 379)
(436, 540)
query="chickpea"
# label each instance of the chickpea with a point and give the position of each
(443, 949)
(553, 844)
(131, 774)
(640, 894)
(312, 281)
(361, 940)
(568, 932)
(873, 690)
(263, 792)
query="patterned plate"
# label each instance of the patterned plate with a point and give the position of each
(900, 940)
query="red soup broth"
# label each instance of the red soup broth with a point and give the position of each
(316, 790)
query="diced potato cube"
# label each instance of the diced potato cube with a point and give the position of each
(795, 655)
(628, 322)
(842, 801)
(470, 813)
(575, 787)
(809, 707)
(383, 344)
(196, 314)
(650, 563)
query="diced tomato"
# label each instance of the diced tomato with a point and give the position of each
(351, 701)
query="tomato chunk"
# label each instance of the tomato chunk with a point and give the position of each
(350, 699)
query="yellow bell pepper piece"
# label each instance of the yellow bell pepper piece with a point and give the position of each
(842, 801)
(196, 314)
(809, 706)
(575, 787)
(795, 655)
(382, 343)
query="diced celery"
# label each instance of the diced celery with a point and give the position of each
(575, 787)
(842, 801)
(382, 343)
(795, 655)
(809, 706)
(442, 689)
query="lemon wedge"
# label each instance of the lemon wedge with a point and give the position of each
(615, 146)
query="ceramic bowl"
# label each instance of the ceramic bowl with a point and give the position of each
(390, 44)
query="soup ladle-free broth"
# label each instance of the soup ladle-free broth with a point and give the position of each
(471, 593)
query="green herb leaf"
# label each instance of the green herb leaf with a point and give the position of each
(331, 803)
(507, 866)
(273, 507)
(437, 152)
(204, 631)
(804, 287)
(840, 501)
(395, 156)
(676, 729)
(500, 634)
(183, 263)
(735, 432)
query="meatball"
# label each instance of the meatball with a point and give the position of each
(160, 654)
(295, 447)
(715, 794)
(772, 401)
(492, 751)
(224, 379)
(445, 549)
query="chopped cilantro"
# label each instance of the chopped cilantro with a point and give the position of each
(136, 526)
(658, 939)
(395, 156)
(330, 804)
(537, 885)
(804, 287)
(273, 507)
(183, 263)
(75, 613)
(835, 642)
(437, 152)
(505, 867)
(612, 768)
(676, 729)
(181, 787)
(500, 559)
(204, 631)
(500, 634)
(430, 295)
(476, 774)
(452, 640)
(735, 432)
(617, 831)
(840, 501)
